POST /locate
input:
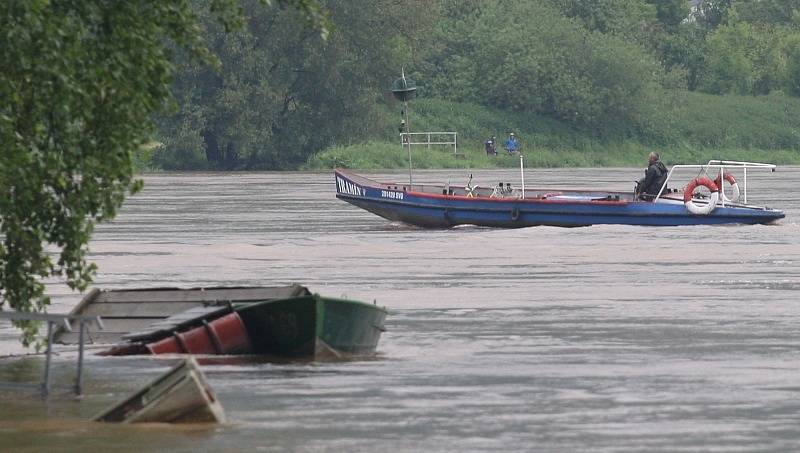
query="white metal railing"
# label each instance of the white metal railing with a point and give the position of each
(430, 138)
(64, 320)
(721, 165)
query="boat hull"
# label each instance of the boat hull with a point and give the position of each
(397, 203)
(313, 327)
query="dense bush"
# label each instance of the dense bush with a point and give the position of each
(590, 79)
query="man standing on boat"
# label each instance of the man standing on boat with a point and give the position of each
(654, 177)
(512, 145)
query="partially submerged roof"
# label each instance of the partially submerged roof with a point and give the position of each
(131, 310)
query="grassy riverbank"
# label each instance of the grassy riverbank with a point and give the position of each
(379, 155)
(690, 127)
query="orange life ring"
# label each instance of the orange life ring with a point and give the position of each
(734, 186)
(688, 199)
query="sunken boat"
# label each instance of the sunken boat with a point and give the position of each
(280, 322)
(313, 326)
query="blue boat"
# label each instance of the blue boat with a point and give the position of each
(445, 206)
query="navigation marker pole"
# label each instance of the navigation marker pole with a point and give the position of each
(522, 174)
(407, 138)
(404, 90)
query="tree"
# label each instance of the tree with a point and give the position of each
(527, 56)
(79, 83)
(712, 13)
(745, 59)
(671, 13)
(729, 63)
(282, 93)
(773, 12)
(791, 48)
(632, 20)
(685, 49)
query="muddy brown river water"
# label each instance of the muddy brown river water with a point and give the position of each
(607, 338)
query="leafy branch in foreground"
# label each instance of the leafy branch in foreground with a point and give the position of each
(79, 83)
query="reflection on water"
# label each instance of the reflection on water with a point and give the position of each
(601, 338)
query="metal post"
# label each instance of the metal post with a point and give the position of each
(455, 143)
(664, 186)
(722, 184)
(49, 353)
(522, 175)
(429, 142)
(744, 188)
(408, 142)
(79, 377)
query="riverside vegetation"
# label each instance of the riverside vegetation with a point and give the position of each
(583, 83)
(701, 127)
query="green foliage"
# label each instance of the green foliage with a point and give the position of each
(563, 70)
(791, 46)
(729, 62)
(671, 13)
(142, 158)
(712, 13)
(633, 20)
(312, 12)
(381, 155)
(685, 51)
(378, 155)
(763, 122)
(753, 49)
(282, 93)
(742, 58)
(183, 150)
(769, 12)
(475, 124)
(79, 83)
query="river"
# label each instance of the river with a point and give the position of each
(603, 338)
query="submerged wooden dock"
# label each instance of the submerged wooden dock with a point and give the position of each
(125, 311)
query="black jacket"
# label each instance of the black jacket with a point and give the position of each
(654, 178)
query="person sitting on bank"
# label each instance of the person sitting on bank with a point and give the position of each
(490, 146)
(512, 145)
(654, 177)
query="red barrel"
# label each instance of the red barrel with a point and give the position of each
(231, 334)
(196, 341)
(225, 335)
(166, 346)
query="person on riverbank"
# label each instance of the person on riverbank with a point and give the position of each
(402, 130)
(512, 144)
(490, 146)
(654, 177)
